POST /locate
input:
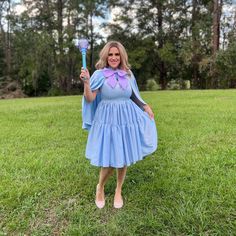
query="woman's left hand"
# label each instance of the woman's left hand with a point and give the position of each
(148, 109)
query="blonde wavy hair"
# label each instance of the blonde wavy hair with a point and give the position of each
(102, 62)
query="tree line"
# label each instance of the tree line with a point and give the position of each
(170, 43)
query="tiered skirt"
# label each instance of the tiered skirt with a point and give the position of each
(121, 134)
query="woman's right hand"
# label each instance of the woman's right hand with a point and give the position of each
(85, 76)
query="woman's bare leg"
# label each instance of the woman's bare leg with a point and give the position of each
(121, 173)
(105, 173)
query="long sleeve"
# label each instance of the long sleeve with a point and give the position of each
(136, 97)
(137, 101)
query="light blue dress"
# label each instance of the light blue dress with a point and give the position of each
(120, 132)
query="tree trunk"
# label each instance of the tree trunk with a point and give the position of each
(195, 45)
(8, 42)
(60, 25)
(62, 80)
(162, 69)
(3, 41)
(217, 9)
(70, 53)
(91, 62)
(216, 26)
(50, 29)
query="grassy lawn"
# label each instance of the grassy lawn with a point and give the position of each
(187, 187)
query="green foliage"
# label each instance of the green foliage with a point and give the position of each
(55, 92)
(137, 57)
(34, 64)
(2, 61)
(165, 40)
(152, 85)
(179, 84)
(225, 63)
(186, 84)
(173, 85)
(42, 46)
(167, 54)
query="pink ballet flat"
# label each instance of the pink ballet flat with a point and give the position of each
(118, 204)
(99, 204)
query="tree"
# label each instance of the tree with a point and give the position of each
(5, 11)
(216, 16)
(58, 23)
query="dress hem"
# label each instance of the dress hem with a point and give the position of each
(129, 164)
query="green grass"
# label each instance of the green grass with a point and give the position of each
(187, 187)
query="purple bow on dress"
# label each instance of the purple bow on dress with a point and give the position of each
(116, 76)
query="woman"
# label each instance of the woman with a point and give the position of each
(121, 125)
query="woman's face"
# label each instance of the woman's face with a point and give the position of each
(113, 59)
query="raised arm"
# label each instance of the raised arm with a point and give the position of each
(88, 93)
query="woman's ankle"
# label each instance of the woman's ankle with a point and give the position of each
(118, 190)
(100, 186)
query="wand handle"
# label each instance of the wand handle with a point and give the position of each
(83, 45)
(83, 51)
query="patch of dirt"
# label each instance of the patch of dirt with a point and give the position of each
(18, 93)
(11, 89)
